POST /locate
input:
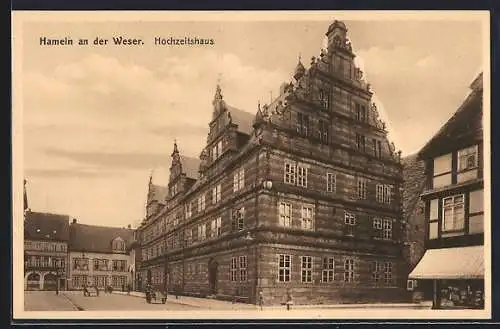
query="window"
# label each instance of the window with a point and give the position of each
(331, 182)
(234, 269)
(216, 194)
(350, 222)
(119, 265)
(327, 275)
(284, 268)
(349, 270)
(377, 149)
(218, 226)
(361, 188)
(388, 273)
(476, 212)
(285, 214)
(301, 176)
(194, 233)
(81, 264)
(324, 99)
(238, 219)
(360, 113)
(174, 189)
(360, 142)
(442, 170)
(383, 228)
(290, 170)
(201, 203)
(323, 131)
(411, 285)
(383, 193)
(467, 158)
(377, 270)
(239, 179)
(306, 269)
(302, 124)
(243, 268)
(213, 229)
(217, 150)
(202, 232)
(307, 217)
(453, 213)
(188, 210)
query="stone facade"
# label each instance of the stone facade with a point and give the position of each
(303, 198)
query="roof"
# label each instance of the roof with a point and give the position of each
(413, 182)
(46, 226)
(243, 119)
(465, 122)
(157, 193)
(190, 166)
(467, 263)
(93, 238)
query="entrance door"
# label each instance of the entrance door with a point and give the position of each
(33, 281)
(50, 281)
(212, 276)
(148, 277)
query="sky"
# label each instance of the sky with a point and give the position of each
(98, 120)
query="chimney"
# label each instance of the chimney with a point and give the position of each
(74, 220)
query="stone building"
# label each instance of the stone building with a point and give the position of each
(99, 255)
(303, 198)
(45, 250)
(414, 217)
(453, 263)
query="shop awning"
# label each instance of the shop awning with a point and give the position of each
(451, 263)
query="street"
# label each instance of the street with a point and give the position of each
(47, 301)
(75, 301)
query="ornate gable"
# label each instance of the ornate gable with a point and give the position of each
(329, 103)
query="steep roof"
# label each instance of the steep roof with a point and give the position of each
(93, 238)
(46, 226)
(243, 119)
(190, 166)
(466, 122)
(157, 193)
(414, 182)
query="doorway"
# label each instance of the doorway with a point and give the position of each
(212, 275)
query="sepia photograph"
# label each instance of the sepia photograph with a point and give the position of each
(251, 165)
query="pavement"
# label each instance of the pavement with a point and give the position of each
(207, 303)
(47, 301)
(135, 301)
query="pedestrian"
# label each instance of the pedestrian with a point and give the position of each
(289, 300)
(123, 287)
(128, 289)
(261, 299)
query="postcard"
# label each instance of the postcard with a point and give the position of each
(251, 165)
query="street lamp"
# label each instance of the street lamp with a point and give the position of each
(267, 184)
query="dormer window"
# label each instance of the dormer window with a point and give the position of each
(118, 244)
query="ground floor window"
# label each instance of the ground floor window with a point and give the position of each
(78, 281)
(118, 280)
(100, 281)
(461, 293)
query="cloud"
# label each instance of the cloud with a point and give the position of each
(113, 160)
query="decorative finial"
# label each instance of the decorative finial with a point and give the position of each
(300, 56)
(176, 150)
(151, 177)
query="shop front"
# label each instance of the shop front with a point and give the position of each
(457, 276)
